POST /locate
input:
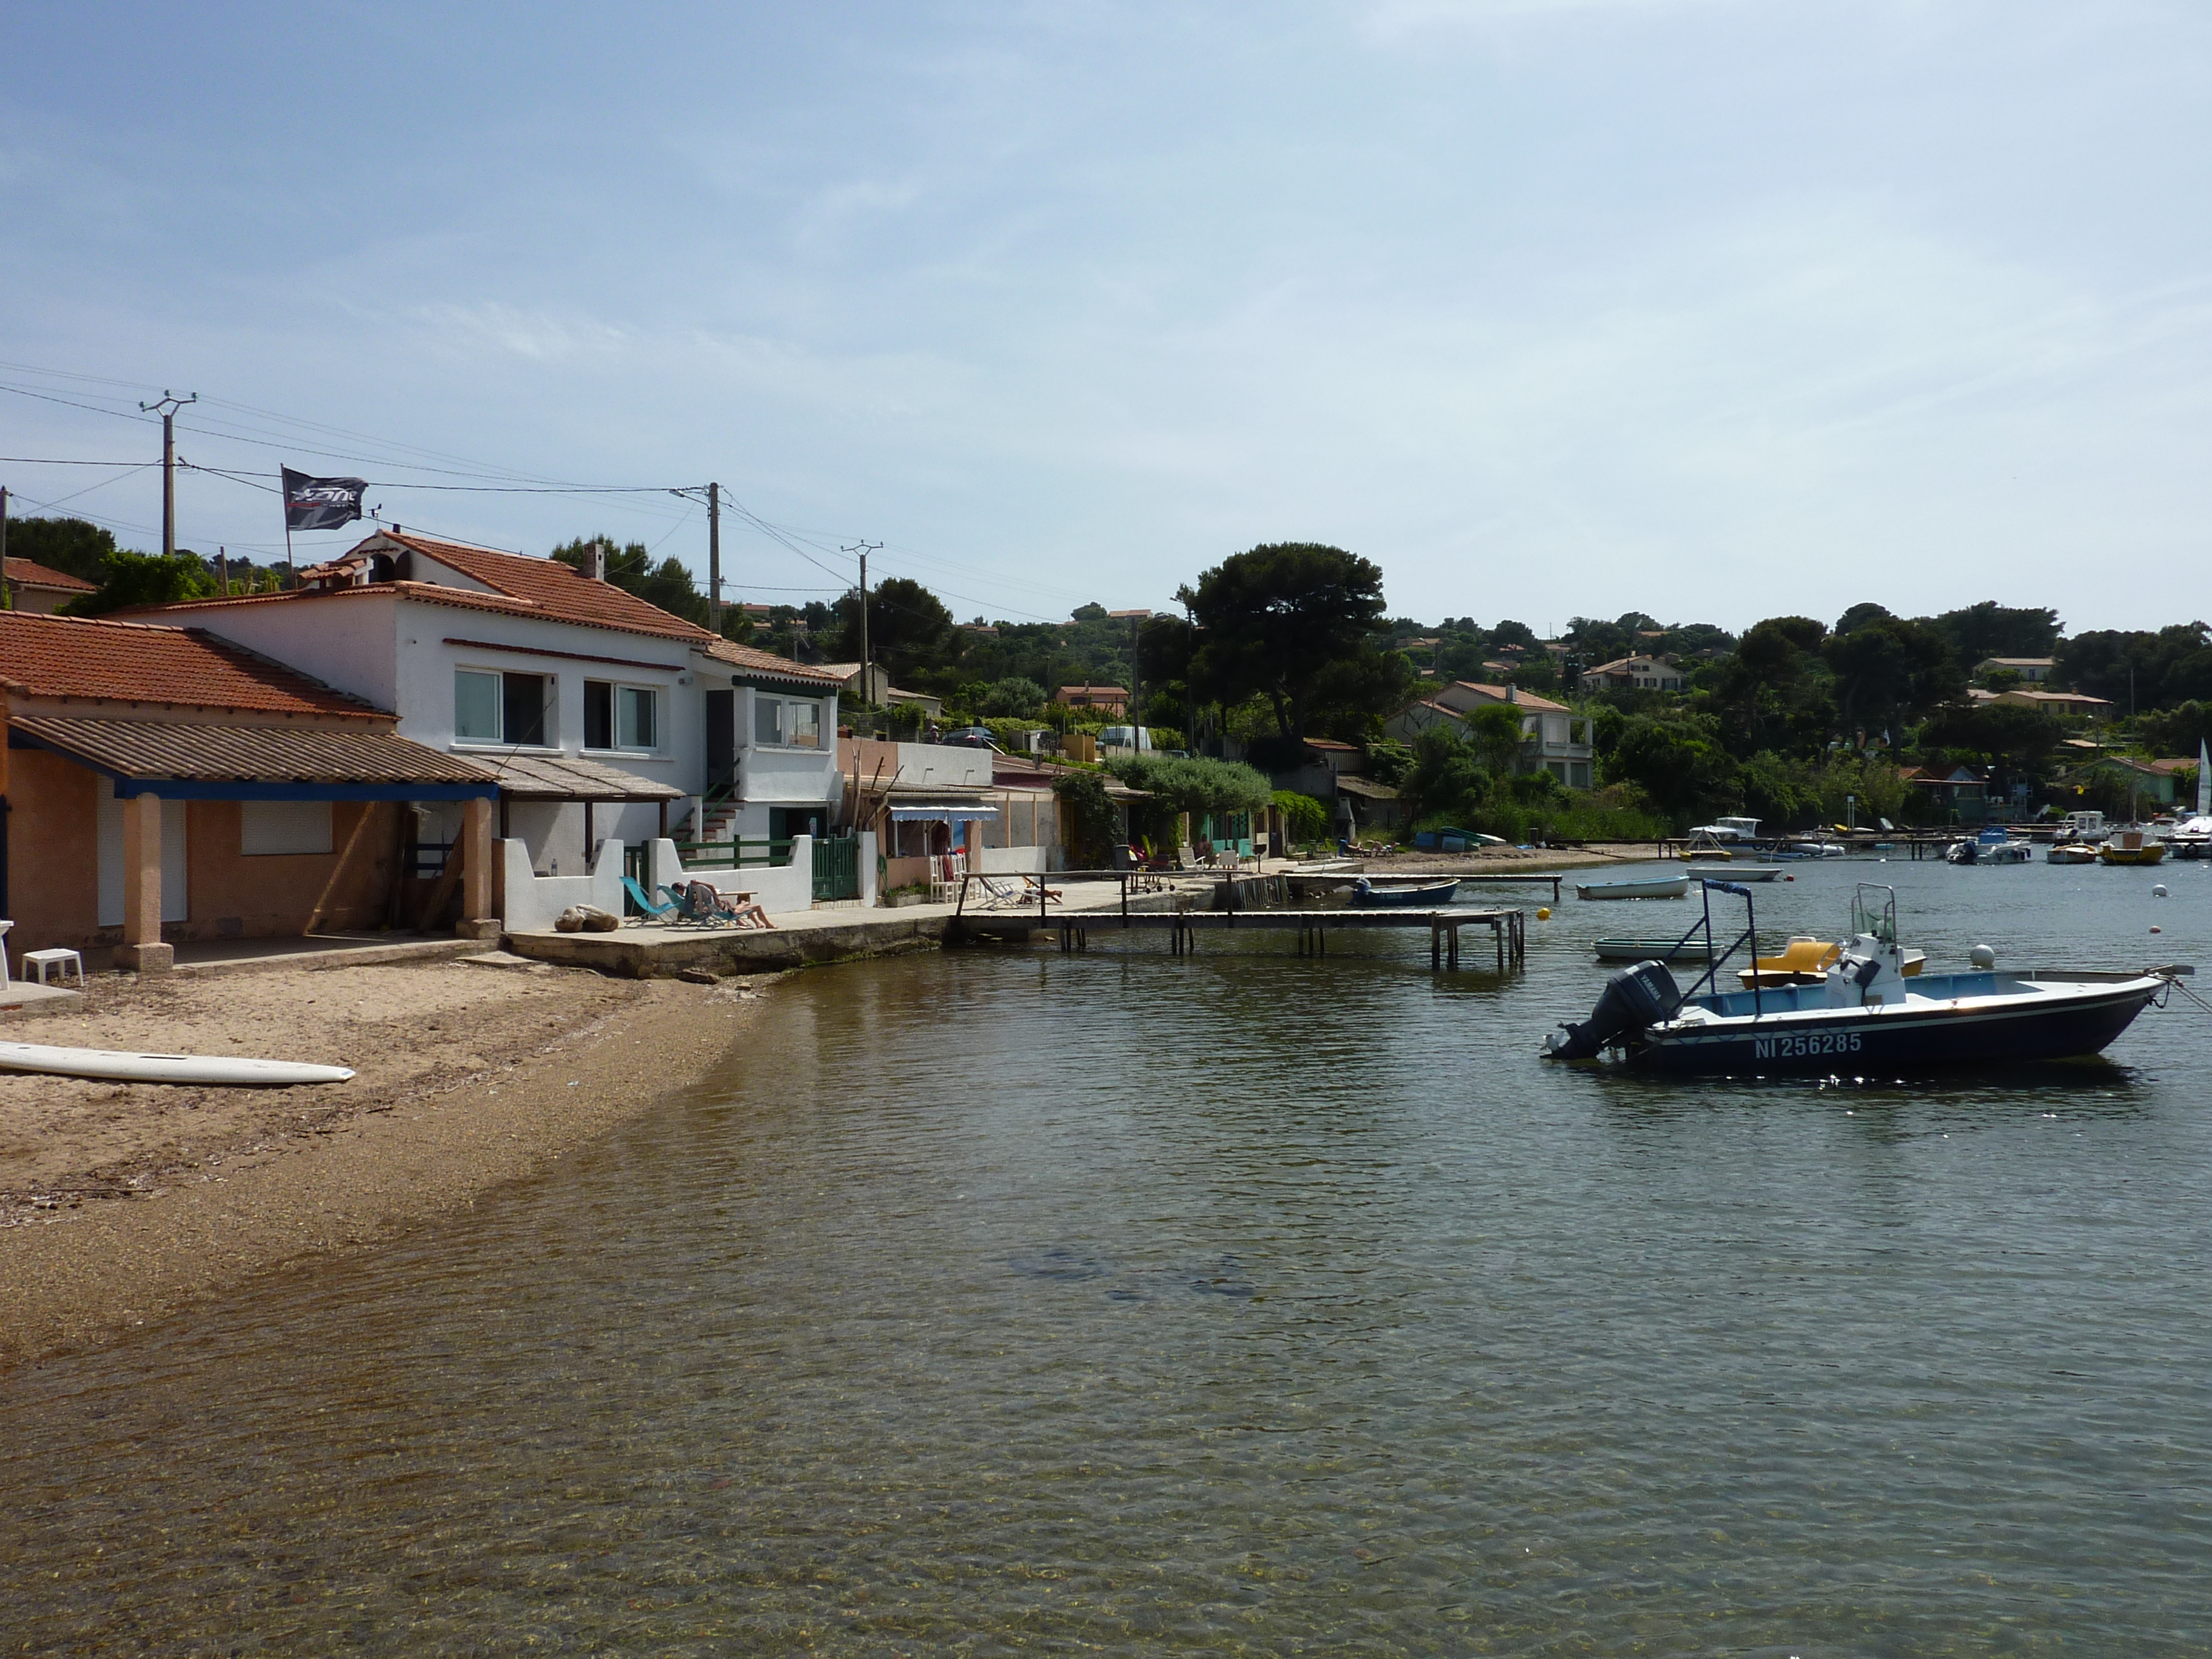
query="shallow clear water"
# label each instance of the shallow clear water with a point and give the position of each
(1008, 1302)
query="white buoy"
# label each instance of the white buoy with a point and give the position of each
(1982, 957)
(2158, 891)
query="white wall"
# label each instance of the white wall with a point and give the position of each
(344, 640)
(944, 764)
(772, 775)
(780, 889)
(529, 903)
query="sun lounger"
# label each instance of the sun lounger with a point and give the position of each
(643, 900)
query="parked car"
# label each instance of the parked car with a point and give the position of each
(970, 737)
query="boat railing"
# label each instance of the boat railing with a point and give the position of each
(1710, 980)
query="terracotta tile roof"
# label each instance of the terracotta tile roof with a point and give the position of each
(249, 754)
(115, 661)
(768, 665)
(551, 588)
(525, 587)
(1519, 699)
(32, 574)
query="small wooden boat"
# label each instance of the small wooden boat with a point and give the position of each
(1650, 950)
(2131, 847)
(218, 1071)
(1650, 887)
(1733, 871)
(1366, 895)
(2070, 852)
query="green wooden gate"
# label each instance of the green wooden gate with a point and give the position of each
(837, 867)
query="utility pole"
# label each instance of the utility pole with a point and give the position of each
(169, 403)
(863, 548)
(715, 557)
(1136, 686)
(6, 602)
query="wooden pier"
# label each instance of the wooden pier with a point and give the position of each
(1508, 928)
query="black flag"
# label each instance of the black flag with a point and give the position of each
(320, 504)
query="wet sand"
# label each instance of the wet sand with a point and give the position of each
(120, 1203)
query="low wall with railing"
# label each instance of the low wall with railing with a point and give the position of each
(779, 875)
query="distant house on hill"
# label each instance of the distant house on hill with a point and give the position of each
(2060, 702)
(1635, 673)
(2033, 671)
(1554, 737)
(1101, 699)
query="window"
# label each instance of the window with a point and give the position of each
(267, 828)
(787, 725)
(805, 725)
(476, 707)
(499, 707)
(599, 714)
(639, 726)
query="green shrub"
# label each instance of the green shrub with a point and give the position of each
(1304, 818)
(1195, 785)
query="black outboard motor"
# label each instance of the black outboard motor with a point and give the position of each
(1633, 999)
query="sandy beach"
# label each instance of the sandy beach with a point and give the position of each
(121, 1203)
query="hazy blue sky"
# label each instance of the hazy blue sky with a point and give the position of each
(1712, 308)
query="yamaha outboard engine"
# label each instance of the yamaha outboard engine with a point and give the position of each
(1633, 999)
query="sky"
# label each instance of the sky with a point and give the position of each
(1714, 309)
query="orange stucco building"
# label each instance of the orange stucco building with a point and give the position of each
(159, 786)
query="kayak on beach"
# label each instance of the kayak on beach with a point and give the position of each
(113, 1064)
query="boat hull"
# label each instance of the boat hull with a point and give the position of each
(1734, 871)
(2125, 855)
(2057, 1025)
(1671, 887)
(1409, 898)
(219, 1071)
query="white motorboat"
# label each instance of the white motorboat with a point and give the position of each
(2192, 837)
(1993, 845)
(1729, 832)
(1864, 1015)
(1656, 887)
(219, 1071)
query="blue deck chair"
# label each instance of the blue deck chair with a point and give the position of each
(639, 896)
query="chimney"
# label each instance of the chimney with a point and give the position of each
(1511, 694)
(598, 561)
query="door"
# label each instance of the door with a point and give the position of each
(721, 738)
(176, 903)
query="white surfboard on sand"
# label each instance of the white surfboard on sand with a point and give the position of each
(224, 1071)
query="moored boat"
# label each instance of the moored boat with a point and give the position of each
(2125, 846)
(1650, 888)
(1993, 845)
(231, 1071)
(2070, 852)
(1733, 871)
(1650, 950)
(1864, 1015)
(1368, 896)
(2192, 837)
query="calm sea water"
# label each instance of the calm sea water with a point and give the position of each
(1010, 1303)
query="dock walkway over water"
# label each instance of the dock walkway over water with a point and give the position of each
(1138, 911)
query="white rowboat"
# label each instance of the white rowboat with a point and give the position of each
(227, 1071)
(1656, 887)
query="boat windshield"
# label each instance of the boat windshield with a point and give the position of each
(1874, 911)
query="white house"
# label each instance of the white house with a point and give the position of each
(1554, 737)
(605, 718)
(1635, 673)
